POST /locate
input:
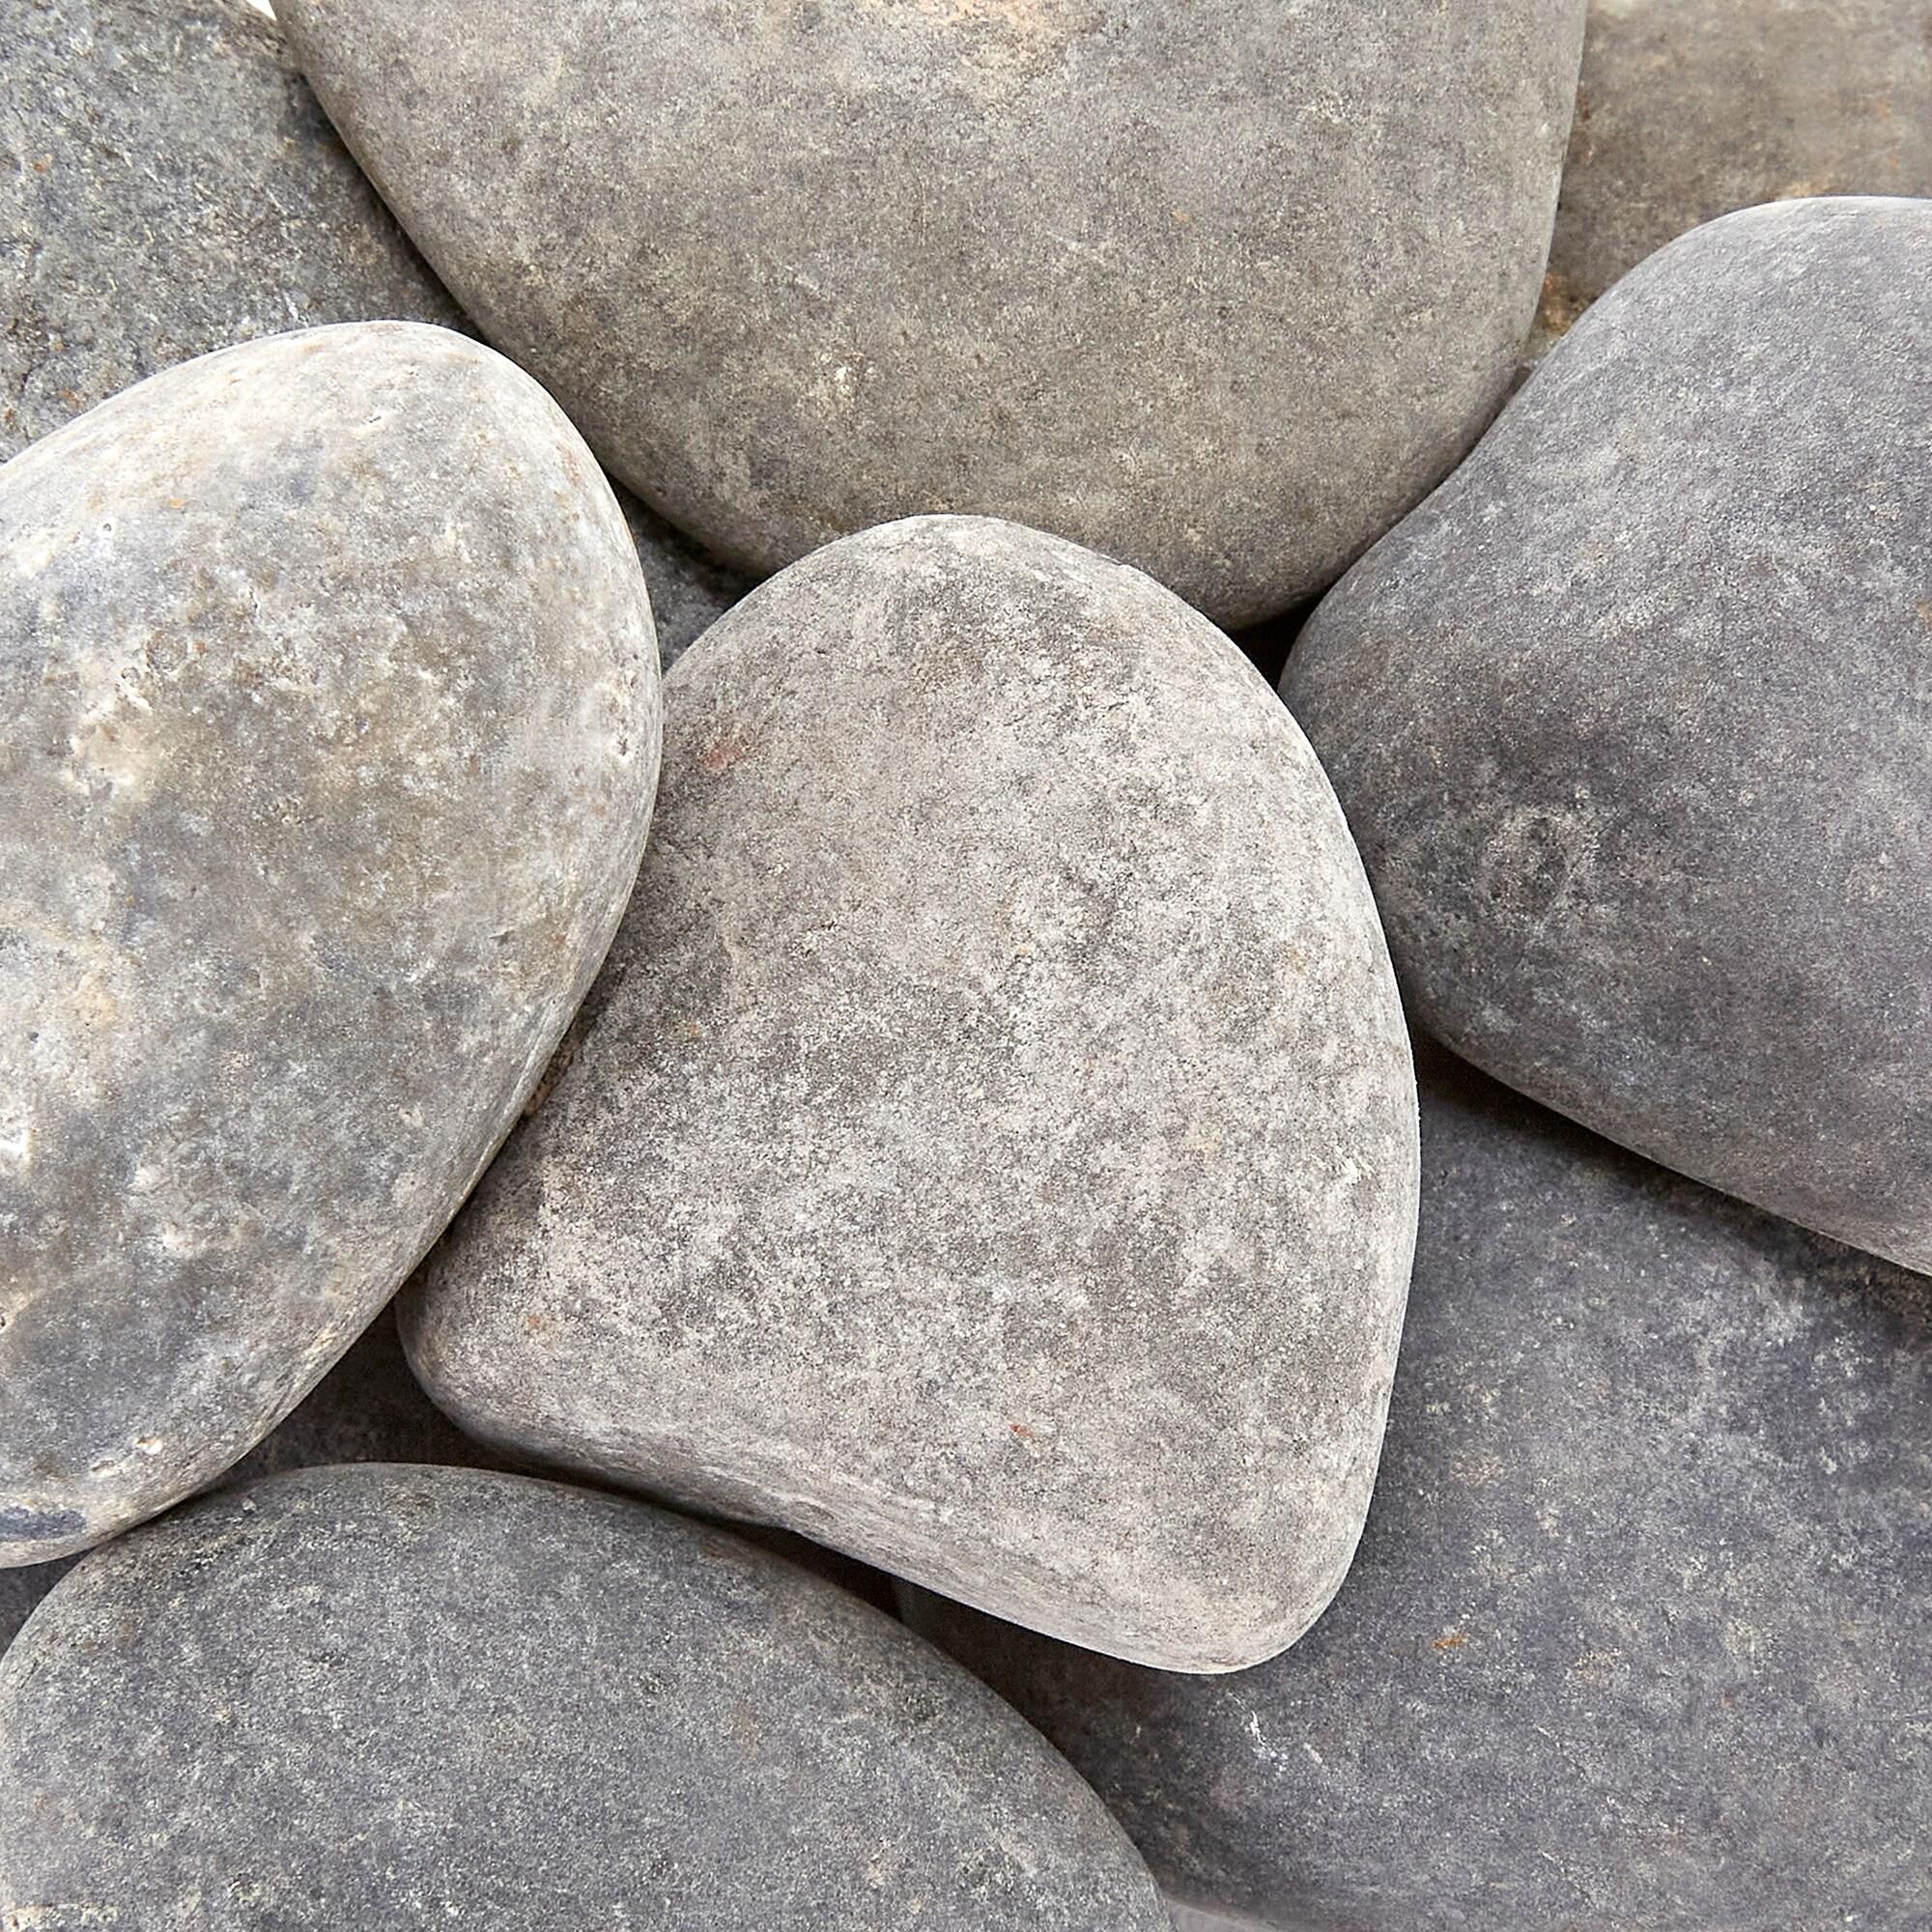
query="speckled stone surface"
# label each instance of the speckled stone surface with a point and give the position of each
(1633, 721)
(990, 1149)
(420, 1698)
(1636, 1641)
(333, 724)
(368, 1408)
(1220, 290)
(169, 187)
(1690, 109)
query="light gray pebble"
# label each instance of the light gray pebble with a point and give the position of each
(416, 1697)
(169, 187)
(990, 1148)
(1219, 290)
(332, 732)
(1636, 1641)
(1689, 109)
(1632, 724)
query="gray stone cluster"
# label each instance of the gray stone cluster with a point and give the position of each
(924, 1098)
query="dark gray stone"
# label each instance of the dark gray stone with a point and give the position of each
(332, 730)
(1636, 1641)
(1689, 109)
(1632, 724)
(168, 187)
(1219, 290)
(416, 1698)
(990, 1149)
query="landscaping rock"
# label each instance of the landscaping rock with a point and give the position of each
(1218, 290)
(416, 1698)
(1635, 1642)
(990, 1147)
(169, 187)
(1691, 108)
(333, 730)
(1633, 724)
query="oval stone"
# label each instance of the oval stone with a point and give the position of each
(990, 1148)
(1689, 109)
(169, 187)
(1635, 1638)
(418, 1697)
(1633, 721)
(1219, 290)
(331, 732)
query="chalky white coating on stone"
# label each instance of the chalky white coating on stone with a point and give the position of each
(990, 1147)
(331, 724)
(1220, 290)
(417, 1698)
(169, 187)
(1636, 1641)
(1632, 724)
(1689, 109)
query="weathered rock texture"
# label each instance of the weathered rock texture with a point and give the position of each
(1632, 724)
(332, 733)
(1690, 109)
(168, 187)
(990, 1147)
(368, 1408)
(1635, 1638)
(1220, 290)
(422, 1698)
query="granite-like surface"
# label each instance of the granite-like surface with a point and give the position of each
(334, 725)
(990, 1148)
(1635, 1638)
(1633, 723)
(1220, 290)
(169, 187)
(1689, 109)
(417, 1698)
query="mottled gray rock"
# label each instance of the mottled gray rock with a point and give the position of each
(1690, 109)
(1636, 1641)
(990, 1148)
(368, 1408)
(332, 730)
(1632, 722)
(1220, 290)
(168, 187)
(424, 1697)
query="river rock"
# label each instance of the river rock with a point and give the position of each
(333, 734)
(1690, 109)
(420, 1698)
(989, 1150)
(168, 187)
(1630, 719)
(1219, 290)
(1635, 1638)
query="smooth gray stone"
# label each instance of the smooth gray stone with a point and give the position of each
(332, 726)
(368, 1408)
(168, 187)
(990, 1148)
(1636, 1641)
(1633, 724)
(1220, 290)
(416, 1698)
(1689, 109)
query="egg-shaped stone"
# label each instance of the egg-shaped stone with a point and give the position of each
(1633, 723)
(990, 1148)
(1220, 290)
(418, 1698)
(328, 735)
(1635, 1638)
